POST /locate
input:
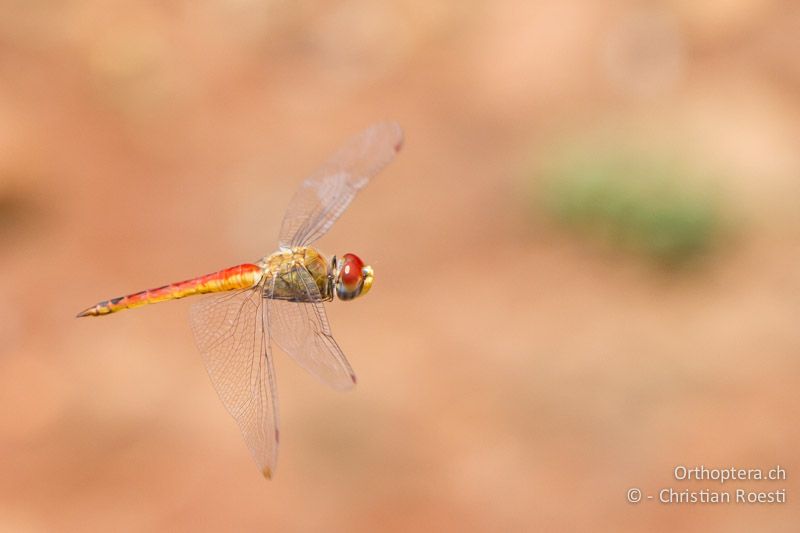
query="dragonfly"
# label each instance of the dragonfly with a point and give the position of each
(280, 298)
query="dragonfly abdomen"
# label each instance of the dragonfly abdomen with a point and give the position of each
(239, 277)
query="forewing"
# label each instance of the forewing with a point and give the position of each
(301, 329)
(231, 331)
(324, 196)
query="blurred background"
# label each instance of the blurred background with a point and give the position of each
(586, 260)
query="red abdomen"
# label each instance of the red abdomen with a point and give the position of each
(239, 277)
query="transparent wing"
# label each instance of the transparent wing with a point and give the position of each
(231, 331)
(324, 196)
(301, 329)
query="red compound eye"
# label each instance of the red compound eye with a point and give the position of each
(351, 270)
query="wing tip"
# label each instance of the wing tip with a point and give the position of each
(353, 379)
(390, 128)
(398, 145)
(267, 472)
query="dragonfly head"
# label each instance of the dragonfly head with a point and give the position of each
(353, 277)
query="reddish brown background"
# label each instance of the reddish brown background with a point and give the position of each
(512, 376)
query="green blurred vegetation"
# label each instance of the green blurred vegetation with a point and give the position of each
(633, 200)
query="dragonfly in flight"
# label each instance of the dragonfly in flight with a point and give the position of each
(280, 297)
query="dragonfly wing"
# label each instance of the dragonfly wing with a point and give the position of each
(301, 329)
(325, 195)
(231, 332)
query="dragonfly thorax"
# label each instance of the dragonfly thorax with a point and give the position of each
(347, 277)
